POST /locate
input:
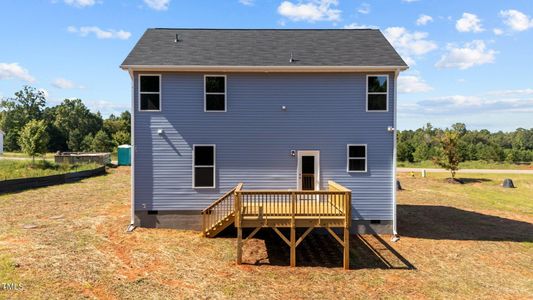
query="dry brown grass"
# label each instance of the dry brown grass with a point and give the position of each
(79, 249)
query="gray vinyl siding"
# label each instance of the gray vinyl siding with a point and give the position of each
(254, 138)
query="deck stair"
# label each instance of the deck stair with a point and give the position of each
(220, 214)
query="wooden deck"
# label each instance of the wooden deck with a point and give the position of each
(282, 209)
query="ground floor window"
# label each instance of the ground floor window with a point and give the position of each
(356, 158)
(203, 168)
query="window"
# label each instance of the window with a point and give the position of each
(150, 92)
(215, 93)
(203, 166)
(377, 92)
(356, 158)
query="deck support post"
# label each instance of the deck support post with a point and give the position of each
(293, 246)
(346, 260)
(239, 245)
(347, 227)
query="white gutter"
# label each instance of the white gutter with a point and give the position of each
(131, 227)
(282, 69)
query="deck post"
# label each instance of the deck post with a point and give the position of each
(293, 229)
(346, 260)
(347, 225)
(238, 221)
(239, 245)
(293, 246)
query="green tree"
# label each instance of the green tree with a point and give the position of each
(121, 138)
(422, 152)
(75, 121)
(87, 143)
(16, 112)
(34, 138)
(405, 151)
(102, 142)
(450, 157)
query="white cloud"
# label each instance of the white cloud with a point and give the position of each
(14, 70)
(423, 20)
(157, 4)
(80, 3)
(497, 31)
(311, 10)
(409, 43)
(410, 1)
(247, 2)
(412, 84)
(510, 101)
(106, 107)
(364, 8)
(471, 54)
(469, 23)
(512, 93)
(516, 20)
(62, 83)
(100, 33)
(359, 26)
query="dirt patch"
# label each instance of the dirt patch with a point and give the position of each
(454, 181)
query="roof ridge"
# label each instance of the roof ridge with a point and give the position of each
(259, 29)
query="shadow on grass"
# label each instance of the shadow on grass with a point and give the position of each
(320, 249)
(474, 180)
(449, 223)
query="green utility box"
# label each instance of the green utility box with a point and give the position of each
(124, 155)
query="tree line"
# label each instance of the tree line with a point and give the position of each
(28, 123)
(429, 143)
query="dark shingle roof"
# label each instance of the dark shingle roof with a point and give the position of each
(263, 47)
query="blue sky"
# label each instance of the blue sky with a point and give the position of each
(471, 61)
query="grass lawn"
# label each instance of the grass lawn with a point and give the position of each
(458, 241)
(12, 169)
(476, 164)
(48, 156)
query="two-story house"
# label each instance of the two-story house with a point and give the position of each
(292, 113)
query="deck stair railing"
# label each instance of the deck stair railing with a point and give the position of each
(220, 213)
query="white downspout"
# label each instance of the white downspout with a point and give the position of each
(131, 227)
(395, 236)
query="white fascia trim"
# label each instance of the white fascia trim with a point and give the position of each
(311, 69)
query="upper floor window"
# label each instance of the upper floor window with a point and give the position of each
(356, 158)
(215, 93)
(203, 166)
(377, 92)
(150, 92)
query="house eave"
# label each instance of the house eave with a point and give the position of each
(265, 69)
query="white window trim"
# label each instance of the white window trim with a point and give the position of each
(214, 166)
(377, 93)
(348, 158)
(139, 93)
(212, 93)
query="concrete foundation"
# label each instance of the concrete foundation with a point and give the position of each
(192, 220)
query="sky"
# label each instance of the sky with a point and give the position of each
(470, 61)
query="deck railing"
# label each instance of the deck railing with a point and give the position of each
(220, 209)
(264, 204)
